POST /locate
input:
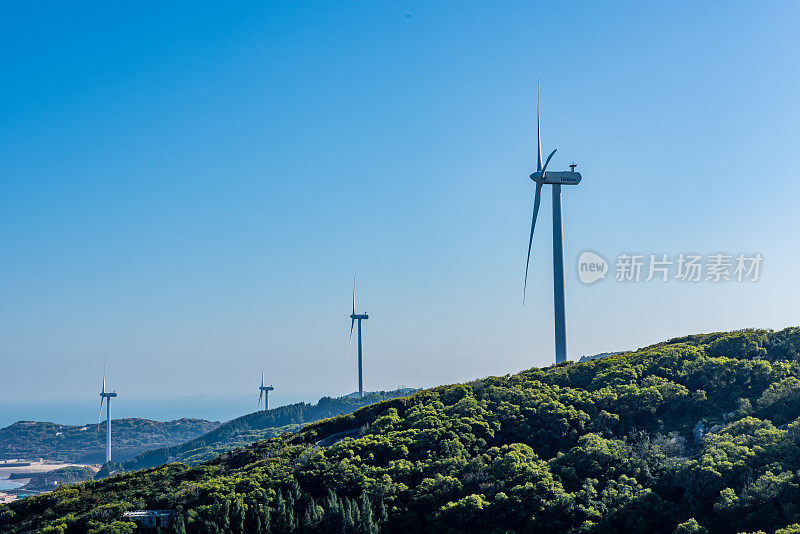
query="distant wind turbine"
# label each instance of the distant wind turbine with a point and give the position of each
(107, 396)
(353, 318)
(556, 179)
(264, 392)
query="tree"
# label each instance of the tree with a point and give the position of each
(690, 527)
(781, 401)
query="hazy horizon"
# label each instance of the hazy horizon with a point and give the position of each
(204, 406)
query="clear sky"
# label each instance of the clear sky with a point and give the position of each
(189, 187)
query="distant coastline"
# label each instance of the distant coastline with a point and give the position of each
(17, 472)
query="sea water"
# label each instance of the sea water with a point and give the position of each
(6, 484)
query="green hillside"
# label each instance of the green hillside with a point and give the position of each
(253, 427)
(696, 433)
(85, 444)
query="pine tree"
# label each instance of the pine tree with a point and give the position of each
(368, 525)
(312, 517)
(291, 521)
(384, 514)
(349, 519)
(225, 514)
(252, 521)
(333, 514)
(281, 515)
(236, 514)
(219, 521)
(180, 525)
(266, 526)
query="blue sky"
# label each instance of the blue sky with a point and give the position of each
(189, 188)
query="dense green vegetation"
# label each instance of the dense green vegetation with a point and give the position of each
(253, 427)
(85, 444)
(696, 433)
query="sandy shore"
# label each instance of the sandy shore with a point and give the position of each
(35, 468)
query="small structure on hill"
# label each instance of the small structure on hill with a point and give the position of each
(150, 518)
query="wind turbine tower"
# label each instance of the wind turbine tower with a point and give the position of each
(353, 318)
(264, 392)
(556, 179)
(107, 396)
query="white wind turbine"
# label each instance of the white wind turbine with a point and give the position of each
(556, 179)
(263, 391)
(107, 396)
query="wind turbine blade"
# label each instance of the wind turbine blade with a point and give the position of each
(352, 320)
(538, 131)
(350, 343)
(260, 394)
(99, 419)
(547, 162)
(536, 200)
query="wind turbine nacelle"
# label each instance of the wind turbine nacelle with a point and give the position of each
(559, 177)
